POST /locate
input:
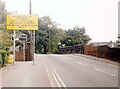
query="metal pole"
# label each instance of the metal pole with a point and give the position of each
(23, 51)
(14, 48)
(33, 47)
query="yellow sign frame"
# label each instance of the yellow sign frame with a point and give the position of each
(21, 22)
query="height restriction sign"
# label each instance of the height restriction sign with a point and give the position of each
(22, 22)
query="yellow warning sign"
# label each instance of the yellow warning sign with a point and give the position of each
(22, 22)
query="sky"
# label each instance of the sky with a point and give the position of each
(99, 17)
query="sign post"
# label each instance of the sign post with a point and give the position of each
(23, 51)
(14, 48)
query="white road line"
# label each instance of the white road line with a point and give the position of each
(104, 71)
(80, 63)
(56, 80)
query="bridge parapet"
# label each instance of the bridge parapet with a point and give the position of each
(72, 49)
(98, 51)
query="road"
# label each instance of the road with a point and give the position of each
(76, 71)
(61, 71)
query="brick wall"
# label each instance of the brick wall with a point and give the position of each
(90, 50)
(98, 51)
(103, 51)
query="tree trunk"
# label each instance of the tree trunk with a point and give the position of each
(44, 49)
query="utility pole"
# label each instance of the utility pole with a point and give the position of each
(33, 47)
(118, 23)
(31, 42)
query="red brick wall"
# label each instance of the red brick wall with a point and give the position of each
(90, 50)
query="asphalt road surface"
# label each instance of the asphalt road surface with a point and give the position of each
(60, 71)
(77, 71)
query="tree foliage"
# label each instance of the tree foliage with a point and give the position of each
(75, 36)
(118, 40)
(5, 42)
(42, 35)
(5, 36)
(3, 12)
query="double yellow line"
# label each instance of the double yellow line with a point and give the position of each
(58, 80)
(56, 77)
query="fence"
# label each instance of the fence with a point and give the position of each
(18, 55)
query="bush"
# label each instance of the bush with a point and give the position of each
(5, 43)
(4, 55)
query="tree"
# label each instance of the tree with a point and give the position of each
(3, 12)
(118, 40)
(5, 36)
(42, 35)
(75, 36)
(5, 42)
(56, 36)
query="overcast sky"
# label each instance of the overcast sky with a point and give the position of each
(99, 17)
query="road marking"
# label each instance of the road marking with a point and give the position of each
(80, 63)
(104, 71)
(59, 78)
(56, 80)
(55, 73)
(48, 74)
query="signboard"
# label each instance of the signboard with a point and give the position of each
(22, 22)
(21, 37)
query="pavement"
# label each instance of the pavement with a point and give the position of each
(61, 71)
(25, 74)
(0, 78)
(98, 59)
